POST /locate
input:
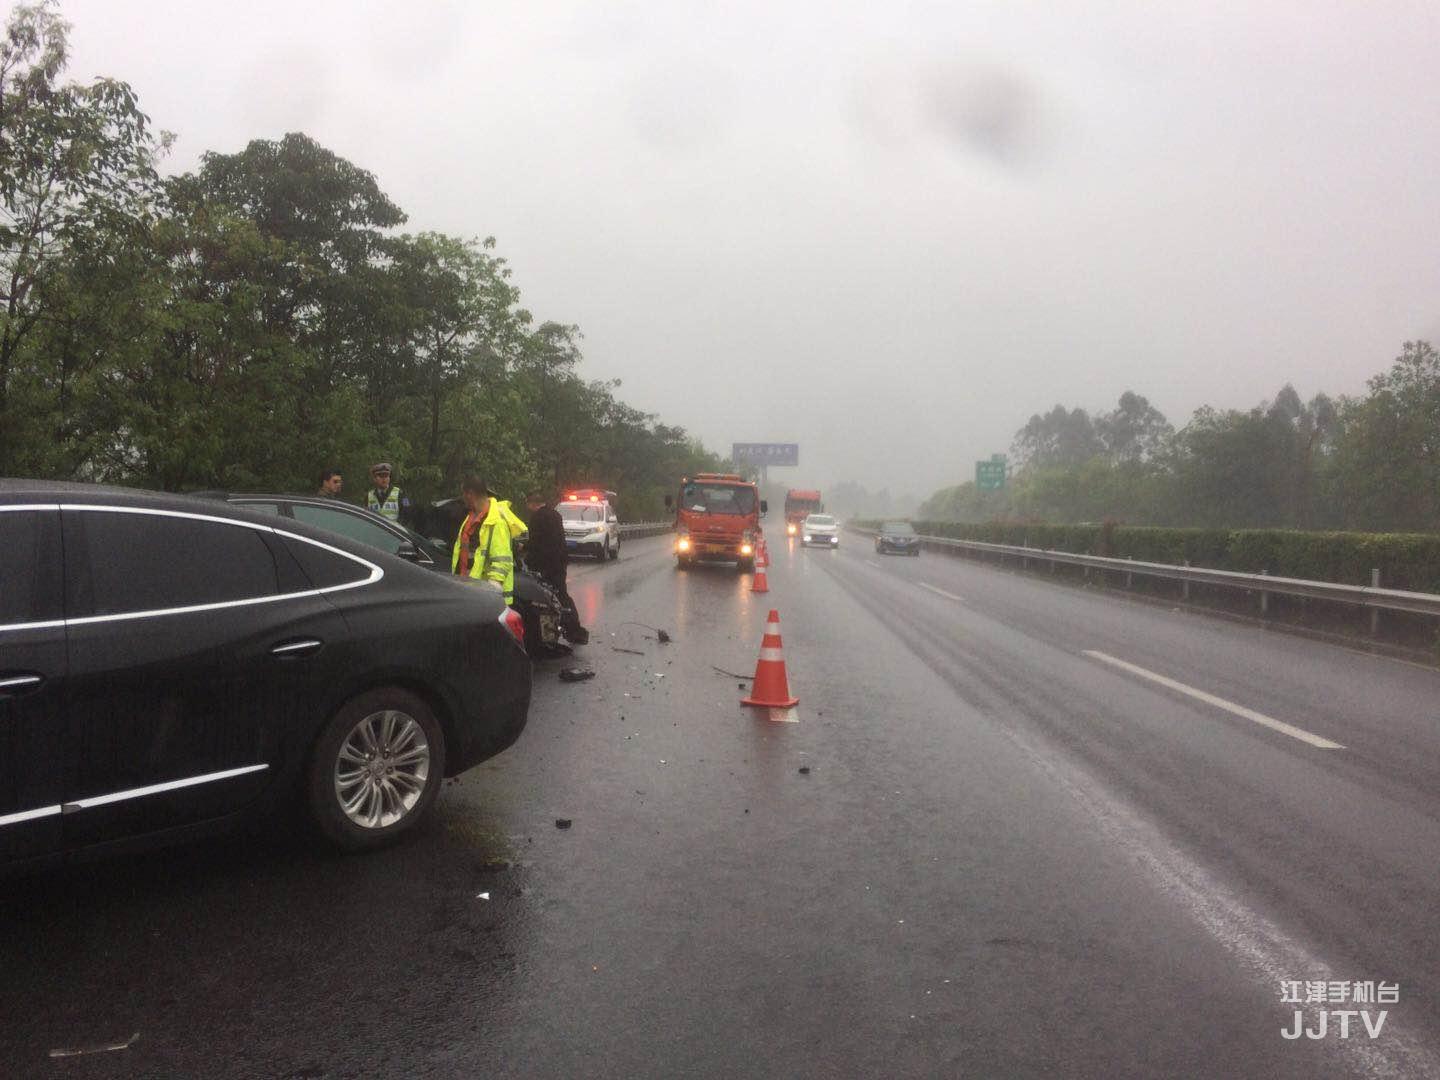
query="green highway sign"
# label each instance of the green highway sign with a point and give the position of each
(990, 475)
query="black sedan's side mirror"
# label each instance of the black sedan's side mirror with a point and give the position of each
(408, 551)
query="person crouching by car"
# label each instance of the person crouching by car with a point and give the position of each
(482, 550)
(546, 555)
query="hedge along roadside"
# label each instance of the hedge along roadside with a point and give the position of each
(1408, 561)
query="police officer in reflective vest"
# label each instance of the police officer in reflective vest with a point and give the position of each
(482, 550)
(384, 498)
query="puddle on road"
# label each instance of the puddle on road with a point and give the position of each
(482, 840)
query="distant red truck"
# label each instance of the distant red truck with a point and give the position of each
(717, 516)
(799, 504)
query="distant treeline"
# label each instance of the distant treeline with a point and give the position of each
(244, 325)
(1368, 463)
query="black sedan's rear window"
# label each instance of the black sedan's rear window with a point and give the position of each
(125, 561)
(30, 571)
(326, 569)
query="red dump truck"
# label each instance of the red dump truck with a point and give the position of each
(717, 516)
(798, 505)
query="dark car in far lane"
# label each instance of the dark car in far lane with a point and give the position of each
(897, 538)
(171, 667)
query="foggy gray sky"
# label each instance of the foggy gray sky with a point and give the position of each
(889, 232)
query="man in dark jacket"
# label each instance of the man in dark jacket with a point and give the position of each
(546, 555)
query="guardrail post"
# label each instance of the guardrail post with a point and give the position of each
(1129, 575)
(1264, 596)
(1375, 611)
(1185, 585)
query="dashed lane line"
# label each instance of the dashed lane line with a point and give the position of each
(940, 592)
(1218, 702)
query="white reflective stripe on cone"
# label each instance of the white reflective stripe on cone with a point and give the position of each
(772, 656)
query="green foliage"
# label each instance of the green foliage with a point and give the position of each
(77, 182)
(250, 323)
(1371, 463)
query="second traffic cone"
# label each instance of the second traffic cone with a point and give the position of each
(762, 555)
(771, 689)
(759, 582)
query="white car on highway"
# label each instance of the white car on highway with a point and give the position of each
(820, 529)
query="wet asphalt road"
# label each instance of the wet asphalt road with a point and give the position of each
(1008, 858)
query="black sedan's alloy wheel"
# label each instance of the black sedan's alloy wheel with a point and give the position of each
(376, 769)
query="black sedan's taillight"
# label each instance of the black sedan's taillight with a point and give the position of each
(511, 620)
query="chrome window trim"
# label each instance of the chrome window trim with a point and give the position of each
(376, 572)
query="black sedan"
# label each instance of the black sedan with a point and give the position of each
(897, 538)
(170, 667)
(537, 604)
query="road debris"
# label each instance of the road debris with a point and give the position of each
(732, 674)
(105, 1048)
(482, 896)
(563, 822)
(804, 770)
(576, 674)
(632, 652)
(660, 635)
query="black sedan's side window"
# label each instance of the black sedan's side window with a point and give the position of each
(30, 566)
(348, 524)
(126, 562)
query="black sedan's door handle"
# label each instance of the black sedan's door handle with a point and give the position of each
(18, 682)
(296, 648)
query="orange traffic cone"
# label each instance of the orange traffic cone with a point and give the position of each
(762, 556)
(771, 690)
(758, 581)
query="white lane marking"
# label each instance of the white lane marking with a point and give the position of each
(940, 592)
(872, 562)
(1218, 702)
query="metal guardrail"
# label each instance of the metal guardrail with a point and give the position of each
(1370, 596)
(638, 529)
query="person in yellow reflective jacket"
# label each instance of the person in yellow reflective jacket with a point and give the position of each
(483, 551)
(518, 528)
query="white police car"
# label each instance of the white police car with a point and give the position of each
(591, 527)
